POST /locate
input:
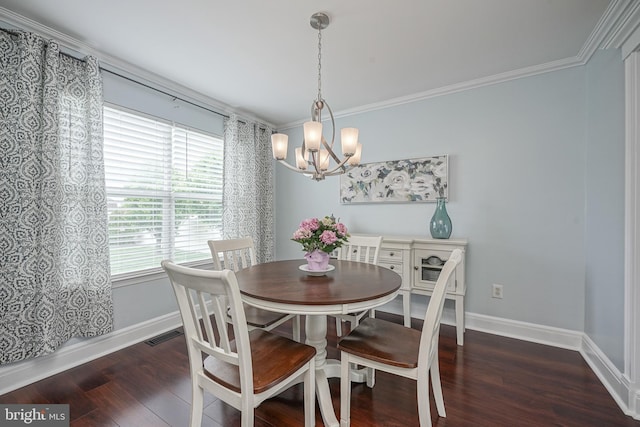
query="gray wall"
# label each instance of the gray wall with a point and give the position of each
(519, 153)
(604, 176)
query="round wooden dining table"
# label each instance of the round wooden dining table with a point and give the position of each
(283, 287)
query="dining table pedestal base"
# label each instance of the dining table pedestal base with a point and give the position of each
(316, 330)
(332, 370)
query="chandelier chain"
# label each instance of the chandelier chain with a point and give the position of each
(319, 64)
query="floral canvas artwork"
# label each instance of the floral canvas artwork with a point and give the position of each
(396, 181)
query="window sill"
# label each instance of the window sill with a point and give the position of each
(151, 275)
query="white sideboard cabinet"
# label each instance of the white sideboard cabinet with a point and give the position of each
(419, 262)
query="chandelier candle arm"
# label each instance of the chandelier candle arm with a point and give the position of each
(340, 168)
(313, 159)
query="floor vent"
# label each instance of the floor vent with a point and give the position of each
(163, 337)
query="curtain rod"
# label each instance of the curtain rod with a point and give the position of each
(173, 96)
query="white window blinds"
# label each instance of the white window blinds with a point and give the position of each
(164, 191)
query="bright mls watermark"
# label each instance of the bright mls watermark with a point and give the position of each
(34, 415)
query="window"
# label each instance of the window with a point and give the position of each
(164, 191)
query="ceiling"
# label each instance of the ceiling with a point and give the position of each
(261, 57)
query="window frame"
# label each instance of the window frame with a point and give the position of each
(155, 273)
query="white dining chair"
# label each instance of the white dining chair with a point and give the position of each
(236, 254)
(390, 347)
(256, 365)
(360, 249)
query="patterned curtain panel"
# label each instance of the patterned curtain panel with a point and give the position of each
(54, 260)
(248, 201)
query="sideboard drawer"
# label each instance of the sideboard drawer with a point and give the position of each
(397, 267)
(390, 254)
(397, 259)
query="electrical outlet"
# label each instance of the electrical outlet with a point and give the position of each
(496, 291)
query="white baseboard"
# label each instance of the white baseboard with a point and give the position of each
(613, 380)
(20, 374)
(616, 383)
(556, 337)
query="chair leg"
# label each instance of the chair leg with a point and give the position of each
(296, 328)
(345, 390)
(197, 405)
(310, 396)
(338, 326)
(247, 417)
(371, 377)
(424, 410)
(437, 388)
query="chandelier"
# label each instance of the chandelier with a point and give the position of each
(314, 157)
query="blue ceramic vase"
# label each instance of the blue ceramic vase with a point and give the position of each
(440, 225)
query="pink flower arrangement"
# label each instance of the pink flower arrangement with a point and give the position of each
(325, 234)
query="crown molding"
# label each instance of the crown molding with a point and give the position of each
(454, 88)
(626, 21)
(617, 12)
(78, 48)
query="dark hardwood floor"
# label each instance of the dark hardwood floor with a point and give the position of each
(490, 381)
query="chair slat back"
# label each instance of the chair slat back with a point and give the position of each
(236, 254)
(361, 249)
(202, 294)
(431, 324)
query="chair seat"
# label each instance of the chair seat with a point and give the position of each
(383, 342)
(259, 318)
(274, 358)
